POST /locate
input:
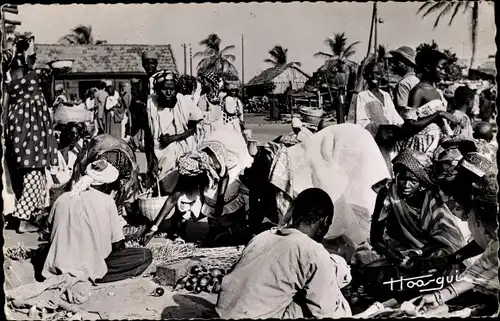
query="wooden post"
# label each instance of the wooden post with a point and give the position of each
(185, 59)
(376, 30)
(242, 67)
(190, 60)
(371, 29)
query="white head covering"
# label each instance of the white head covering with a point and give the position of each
(296, 123)
(97, 173)
(108, 83)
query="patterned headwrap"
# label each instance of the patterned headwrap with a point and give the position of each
(199, 162)
(450, 156)
(119, 160)
(213, 97)
(162, 76)
(418, 163)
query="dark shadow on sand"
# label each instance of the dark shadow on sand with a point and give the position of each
(189, 306)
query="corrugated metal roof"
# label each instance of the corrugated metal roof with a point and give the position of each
(105, 58)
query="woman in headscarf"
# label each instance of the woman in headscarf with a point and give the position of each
(172, 119)
(410, 220)
(31, 147)
(208, 186)
(121, 157)
(482, 274)
(210, 100)
(426, 116)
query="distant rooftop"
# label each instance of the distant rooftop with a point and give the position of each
(105, 58)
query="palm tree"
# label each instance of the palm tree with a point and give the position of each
(81, 35)
(338, 47)
(453, 7)
(279, 56)
(214, 59)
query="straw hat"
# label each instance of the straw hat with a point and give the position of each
(405, 54)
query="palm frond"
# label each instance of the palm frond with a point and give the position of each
(227, 48)
(434, 8)
(443, 12)
(457, 7)
(229, 57)
(270, 61)
(424, 6)
(205, 54)
(323, 55)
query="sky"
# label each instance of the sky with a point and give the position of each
(300, 27)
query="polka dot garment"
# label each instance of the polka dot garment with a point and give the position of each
(32, 199)
(29, 129)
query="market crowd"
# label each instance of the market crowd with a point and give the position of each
(409, 183)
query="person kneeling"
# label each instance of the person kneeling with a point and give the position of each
(286, 272)
(86, 239)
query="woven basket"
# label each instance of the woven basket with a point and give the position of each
(64, 115)
(150, 206)
(311, 115)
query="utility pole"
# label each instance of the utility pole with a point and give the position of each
(10, 9)
(371, 29)
(242, 66)
(185, 59)
(190, 60)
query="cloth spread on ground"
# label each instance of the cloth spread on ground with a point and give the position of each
(83, 229)
(172, 121)
(344, 161)
(484, 272)
(284, 274)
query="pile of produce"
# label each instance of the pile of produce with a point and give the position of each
(200, 279)
(19, 253)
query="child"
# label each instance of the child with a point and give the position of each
(464, 101)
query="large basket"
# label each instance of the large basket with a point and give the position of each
(311, 115)
(150, 206)
(64, 115)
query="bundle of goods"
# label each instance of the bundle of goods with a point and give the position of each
(65, 114)
(311, 115)
(200, 279)
(171, 252)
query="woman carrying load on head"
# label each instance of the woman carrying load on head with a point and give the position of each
(31, 147)
(410, 220)
(208, 186)
(172, 119)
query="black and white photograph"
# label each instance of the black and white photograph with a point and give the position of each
(264, 160)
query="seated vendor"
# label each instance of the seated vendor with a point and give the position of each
(482, 274)
(172, 119)
(86, 239)
(410, 220)
(208, 185)
(287, 273)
